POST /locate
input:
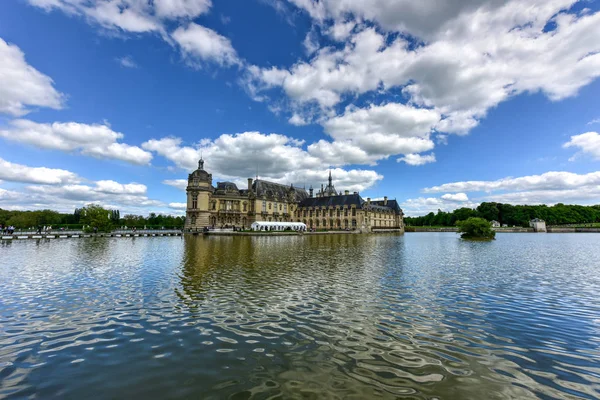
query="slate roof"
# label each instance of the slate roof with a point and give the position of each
(227, 186)
(343, 200)
(393, 204)
(272, 189)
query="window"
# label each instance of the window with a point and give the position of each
(195, 201)
(245, 205)
(331, 212)
(318, 213)
(339, 212)
(280, 207)
(264, 206)
(345, 212)
(354, 212)
(354, 223)
(193, 220)
(285, 208)
(213, 205)
(270, 206)
(311, 213)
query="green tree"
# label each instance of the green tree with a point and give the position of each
(476, 228)
(96, 217)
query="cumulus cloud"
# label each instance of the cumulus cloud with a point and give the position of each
(425, 205)
(459, 197)
(370, 134)
(22, 173)
(275, 157)
(200, 44)
(180, 184)
(172, 9)
(22, 86)
(178, 206)
(553, 180)
(587, 143)
(417, 159)
(128, 15)
(97, 140)
(197, 43)
(460, 60)
(64, 191)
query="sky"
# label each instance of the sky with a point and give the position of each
(439, 105)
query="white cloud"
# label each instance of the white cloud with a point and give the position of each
(180, 184)
(594, 121)
(197, 43)
(425, 205)
(548, 181)
(275, 157)
(172, 9)
(340, 31)
(378, 132)
(297, 120)
(588, 143)
(581, 195)
(22, 86)
(178, 206)
(202, 44)
(311, 42)
(127, 62)
(22, 173)
(113, 187)
(96, 140)
(475, 55)
(417, 159)
(135, 16)
(458, 197)
(64, 191)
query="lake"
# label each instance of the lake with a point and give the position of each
(419, 316)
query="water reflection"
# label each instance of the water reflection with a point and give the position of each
(329, 316)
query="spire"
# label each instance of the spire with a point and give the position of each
(201, 164)
(330, 178)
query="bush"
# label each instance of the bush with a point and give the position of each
(476, 228)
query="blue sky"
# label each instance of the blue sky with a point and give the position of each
(113, 101)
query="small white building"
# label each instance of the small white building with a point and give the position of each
(495, 224)
(538, 225)
(278, 226)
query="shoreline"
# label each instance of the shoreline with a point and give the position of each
(508, 230)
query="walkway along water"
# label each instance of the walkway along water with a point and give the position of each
(57, 234)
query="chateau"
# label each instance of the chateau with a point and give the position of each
(226, 204)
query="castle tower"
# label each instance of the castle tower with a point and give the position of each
(198, 191)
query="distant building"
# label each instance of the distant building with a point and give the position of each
(538, 225)
(495, 224)
(226, 204)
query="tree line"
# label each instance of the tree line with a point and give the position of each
(519, 215)
(90, 216)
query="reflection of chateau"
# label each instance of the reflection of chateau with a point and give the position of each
(225, 204)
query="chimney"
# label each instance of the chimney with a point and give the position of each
(322, 191)
(310, 191)
(355, 193)
(249, 184)
(368, 201)
(346, 192)
(385, 200)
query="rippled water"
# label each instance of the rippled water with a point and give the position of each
(423, 316)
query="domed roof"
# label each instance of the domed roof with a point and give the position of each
(200, 173)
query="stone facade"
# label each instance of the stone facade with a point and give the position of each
(226, 205)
